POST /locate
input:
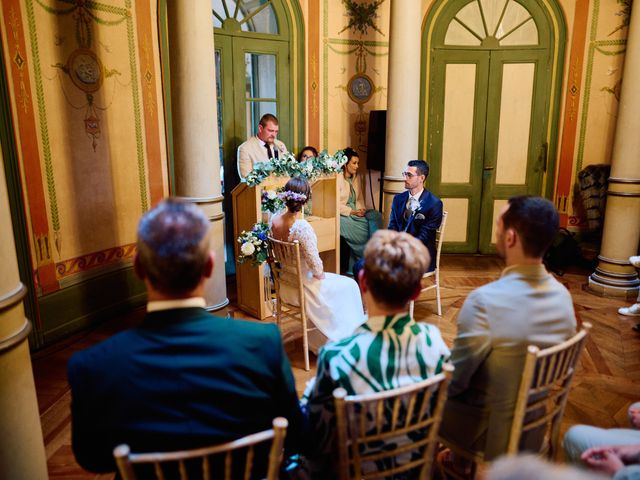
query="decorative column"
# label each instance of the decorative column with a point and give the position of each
(195, 124)
(21, 445)
(615, 276)
(403, 102)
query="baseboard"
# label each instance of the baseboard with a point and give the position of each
(82, 305)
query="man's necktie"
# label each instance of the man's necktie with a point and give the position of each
(269, 152)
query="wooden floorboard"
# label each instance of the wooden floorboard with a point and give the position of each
(606, 382)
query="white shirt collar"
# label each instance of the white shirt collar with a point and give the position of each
(159, 305)
(417, 195)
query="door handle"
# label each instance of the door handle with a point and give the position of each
(486, 169)
(544, 156)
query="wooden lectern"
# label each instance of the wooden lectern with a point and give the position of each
(254, 289)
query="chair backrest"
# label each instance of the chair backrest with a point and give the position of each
(543, 393)
(440, 238)
(384, 434)
(286, 265)
(203, 462)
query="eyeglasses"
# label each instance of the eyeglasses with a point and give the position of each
(410, 175)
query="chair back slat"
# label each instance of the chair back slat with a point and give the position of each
(206, 468)
(387, 433)
(286, 265)
(158, 469)
(248, 463)
(182, 462)
(440, 238)
(543, 393)
(227, 466)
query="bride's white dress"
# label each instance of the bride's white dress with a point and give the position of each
(333, 303)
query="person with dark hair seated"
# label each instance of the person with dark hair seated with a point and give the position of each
(357, 224)
(183, 378)
(332, 302)
(417, 211)
(525, 306)
(306, 153)
(390, 350)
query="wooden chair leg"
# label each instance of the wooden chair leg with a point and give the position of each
(438, 294)
(305, 342)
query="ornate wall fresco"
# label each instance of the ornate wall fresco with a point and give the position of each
(593, 87)
(355, 47)
(86, 101)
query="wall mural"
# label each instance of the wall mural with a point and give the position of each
(601, 92)
(83, 66)
(360, 72)
(91, 134)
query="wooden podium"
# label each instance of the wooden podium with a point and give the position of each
(254, 289)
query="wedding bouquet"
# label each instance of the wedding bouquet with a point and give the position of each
(254, 244)
(271, 201)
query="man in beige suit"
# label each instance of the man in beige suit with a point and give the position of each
(525, 306)
(261, 147)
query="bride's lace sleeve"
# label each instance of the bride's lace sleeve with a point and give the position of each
(303, 232)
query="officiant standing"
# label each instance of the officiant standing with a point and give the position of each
(417, 211)
(261, 147)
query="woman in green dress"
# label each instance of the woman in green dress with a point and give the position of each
(357, 224)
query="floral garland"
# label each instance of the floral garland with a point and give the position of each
(287, 166)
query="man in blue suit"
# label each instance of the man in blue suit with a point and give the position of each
(183, 378)
(417, 211)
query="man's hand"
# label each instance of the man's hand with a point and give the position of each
(358, 213)
(603, 459)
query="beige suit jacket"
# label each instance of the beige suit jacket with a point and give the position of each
(345, 191)
(526, 306)
(253, 151)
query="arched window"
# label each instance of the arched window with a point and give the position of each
(252, 16)
(501, 22)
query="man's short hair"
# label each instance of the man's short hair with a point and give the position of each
(266, 118)
(394, 263)
(173, 246)
(421, 166)
(536, 221)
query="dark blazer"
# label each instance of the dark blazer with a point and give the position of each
(424, 229)
(182, 379)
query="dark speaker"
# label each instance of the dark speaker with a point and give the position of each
(377, 139)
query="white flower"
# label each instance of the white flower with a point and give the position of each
(271, 195)
(247, 249)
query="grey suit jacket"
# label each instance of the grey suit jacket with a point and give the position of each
(253, 151)
(526, 306)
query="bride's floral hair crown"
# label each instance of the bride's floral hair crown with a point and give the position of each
(288, 195)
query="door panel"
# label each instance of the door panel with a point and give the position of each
(459, 89)
(515, 133)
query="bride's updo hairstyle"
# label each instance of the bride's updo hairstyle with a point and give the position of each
(393, 266)
(299, 186)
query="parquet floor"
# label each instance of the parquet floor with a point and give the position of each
(607, 381)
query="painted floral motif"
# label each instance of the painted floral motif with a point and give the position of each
(361, 16)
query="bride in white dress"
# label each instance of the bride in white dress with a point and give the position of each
(333, 302)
